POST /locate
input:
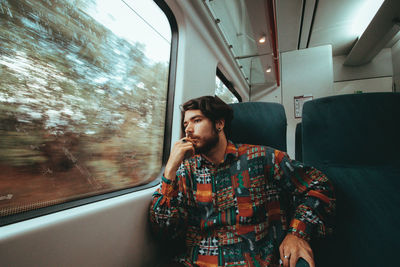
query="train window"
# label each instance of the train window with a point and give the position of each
(83, 94)
(224, 89)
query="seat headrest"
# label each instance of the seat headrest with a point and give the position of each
(298, 147)
(354, 129)
(259, 123)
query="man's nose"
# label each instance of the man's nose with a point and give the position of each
(189, 129)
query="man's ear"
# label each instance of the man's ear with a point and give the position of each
(220, 124)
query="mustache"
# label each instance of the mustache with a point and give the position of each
(192, 137)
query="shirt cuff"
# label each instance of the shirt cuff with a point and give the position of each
(301, 229)
(168, 187)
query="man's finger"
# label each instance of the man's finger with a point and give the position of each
(307, 255)
(293, 260)
(189, 149)
(285, 258)
(188, 146)
(281, 254)
(285, 261)
(310, 260)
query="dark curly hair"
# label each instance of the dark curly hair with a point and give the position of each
(213, 108)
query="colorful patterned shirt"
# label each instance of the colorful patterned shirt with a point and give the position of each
(237, 213)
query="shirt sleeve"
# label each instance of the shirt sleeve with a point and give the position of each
(312, 192)
(168, 214)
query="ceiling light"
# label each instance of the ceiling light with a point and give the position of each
(268, 70)
(262, 39)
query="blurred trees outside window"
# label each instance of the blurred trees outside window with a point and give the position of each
(83, 88)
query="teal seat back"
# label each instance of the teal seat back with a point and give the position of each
(355, 141)
(352, 129)
(259, 123)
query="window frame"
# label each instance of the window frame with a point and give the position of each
(228, 85)
(14, 218)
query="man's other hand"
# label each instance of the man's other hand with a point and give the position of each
(293, 248)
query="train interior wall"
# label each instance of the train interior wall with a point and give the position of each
(113, 232)
(200, 51)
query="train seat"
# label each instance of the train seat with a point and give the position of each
(298, 145)
(355, 141)
(259, 123)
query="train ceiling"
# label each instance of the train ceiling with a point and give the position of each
(300, 24)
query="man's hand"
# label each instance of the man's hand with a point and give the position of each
(293, 248)
(182, 149)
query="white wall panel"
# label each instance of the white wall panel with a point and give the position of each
(200, 66)
(365, 86)
(113, 232)
(304, 72)
(380, 66)
(396, 65)
(272, 94)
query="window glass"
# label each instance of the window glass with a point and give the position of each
(83, 88)
(223, 92)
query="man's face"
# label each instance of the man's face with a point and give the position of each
(200, 130)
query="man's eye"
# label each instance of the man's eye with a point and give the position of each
(197, 120)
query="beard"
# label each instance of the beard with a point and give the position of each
(208, 143)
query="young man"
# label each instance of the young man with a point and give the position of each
(237, 204)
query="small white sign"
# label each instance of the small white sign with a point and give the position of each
(298, 104)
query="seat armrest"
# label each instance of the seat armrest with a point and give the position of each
(302, 263)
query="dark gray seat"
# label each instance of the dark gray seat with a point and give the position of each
(355, 141)
(298, 150)
(259, 123)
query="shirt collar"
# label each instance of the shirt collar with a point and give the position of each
(231, 153)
